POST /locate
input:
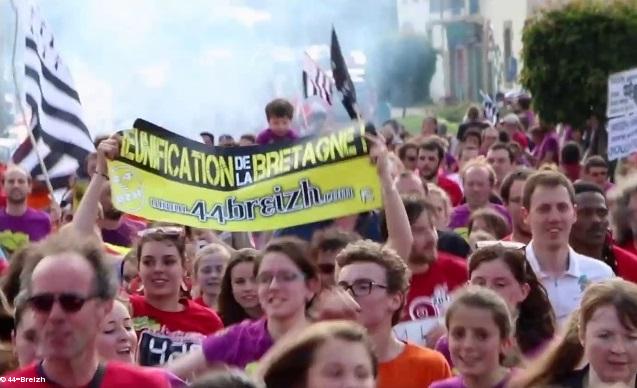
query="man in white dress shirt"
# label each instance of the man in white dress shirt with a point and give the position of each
(548, 199)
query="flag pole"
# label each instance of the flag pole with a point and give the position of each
(21, 107)
(304, 116)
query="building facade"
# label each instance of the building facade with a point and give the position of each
(479, 42)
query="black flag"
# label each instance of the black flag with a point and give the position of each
(342, 79)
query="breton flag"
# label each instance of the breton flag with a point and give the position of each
(491, 112)
(315, 81)
(62, 139)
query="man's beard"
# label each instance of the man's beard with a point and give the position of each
(429, 177)
(16, 199)
(421, 258)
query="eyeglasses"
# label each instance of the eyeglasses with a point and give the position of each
(70, 303)
(265, 278)
(175, 231)
(326, 268)
(360, 287)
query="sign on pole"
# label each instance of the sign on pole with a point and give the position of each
(622, 93)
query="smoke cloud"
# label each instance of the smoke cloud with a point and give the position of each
(202, 65)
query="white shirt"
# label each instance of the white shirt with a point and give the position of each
(565, 292)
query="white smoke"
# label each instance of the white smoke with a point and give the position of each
(200, 64)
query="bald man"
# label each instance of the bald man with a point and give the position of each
(25, 223)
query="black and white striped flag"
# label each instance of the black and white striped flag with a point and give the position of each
(491, 111)
(62, 139)
(315, 81)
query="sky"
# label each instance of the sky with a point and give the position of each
(200, 65)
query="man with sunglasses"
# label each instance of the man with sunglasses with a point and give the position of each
(325, 245)
(377, 278)
(70, 290)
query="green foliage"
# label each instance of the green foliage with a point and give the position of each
(402, 68)
(569, 52)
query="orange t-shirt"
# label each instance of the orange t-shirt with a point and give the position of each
(415, 367)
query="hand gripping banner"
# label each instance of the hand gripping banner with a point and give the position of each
(162, 176)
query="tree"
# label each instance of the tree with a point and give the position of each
(569, 53)
(402, 68)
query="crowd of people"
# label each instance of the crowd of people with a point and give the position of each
(506, 246)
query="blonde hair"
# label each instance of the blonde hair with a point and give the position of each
(433, 188)
(567, 353)
(209, 250)
(479, 162)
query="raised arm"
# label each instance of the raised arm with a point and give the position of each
(86, 214)
(398, 229)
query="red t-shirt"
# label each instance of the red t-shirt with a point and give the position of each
(429, 291)
(520, 138)
(626, 263)
(199, 301)
(452, 189)
(629, 246)
(116, 374)
(164, 335)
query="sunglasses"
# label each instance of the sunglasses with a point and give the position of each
(175, 231)
(70, 303)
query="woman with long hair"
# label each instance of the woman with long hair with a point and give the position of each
(603, 332)
(238, 299)
(287, 281)
(163, 310)
(506, 271)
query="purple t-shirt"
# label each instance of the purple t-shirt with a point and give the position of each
(457, 382)
(550, 143)
(461, 214)
(33, 223)
(238, 345)
(267, 136)
(124, 234)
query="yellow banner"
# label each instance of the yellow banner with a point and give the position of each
(162, 176)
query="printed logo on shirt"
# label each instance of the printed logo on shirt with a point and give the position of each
(430, 306)
(145, 323)
(158, 348)
(583, 282)
(12, 241)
